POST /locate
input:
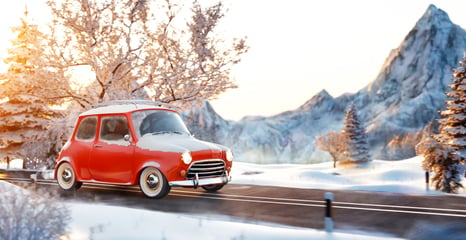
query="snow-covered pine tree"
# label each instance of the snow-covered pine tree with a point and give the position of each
(441, 160)
(357, 146)
(24, 114)
(452, 134)
(453, 122)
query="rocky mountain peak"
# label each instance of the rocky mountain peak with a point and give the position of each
(435, 16)
(422, 60)
(317, 100)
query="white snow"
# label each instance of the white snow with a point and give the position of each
(14, 164)
(403, 176)
(122, 108)
(109, 222)
(172, 142)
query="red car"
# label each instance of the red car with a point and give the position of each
(141, 143)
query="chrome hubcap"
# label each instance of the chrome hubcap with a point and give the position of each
(152, 181)
(67, 175)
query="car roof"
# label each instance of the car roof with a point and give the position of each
(124, 106)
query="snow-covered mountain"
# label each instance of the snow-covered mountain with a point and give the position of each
(404, 97)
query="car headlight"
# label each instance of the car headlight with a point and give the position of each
(229, 155)
(186, 158)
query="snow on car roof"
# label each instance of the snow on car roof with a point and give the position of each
(124, 106)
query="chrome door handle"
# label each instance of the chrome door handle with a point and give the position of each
(98, 146)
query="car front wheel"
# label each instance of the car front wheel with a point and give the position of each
(66, 178)
(153, 183)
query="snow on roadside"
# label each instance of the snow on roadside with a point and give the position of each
(101, 222)
(403, 176)
(110, 222)
(14, 164)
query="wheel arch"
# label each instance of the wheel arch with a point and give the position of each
(143, 166)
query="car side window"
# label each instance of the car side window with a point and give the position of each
(87, 129)
(114, 128)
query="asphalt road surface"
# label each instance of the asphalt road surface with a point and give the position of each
(396, 214)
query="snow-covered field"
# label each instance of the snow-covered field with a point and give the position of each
(93, 221)
(404, 176)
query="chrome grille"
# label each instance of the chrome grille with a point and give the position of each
(206, 169)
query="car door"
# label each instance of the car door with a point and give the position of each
(82, 145)
(112, 153)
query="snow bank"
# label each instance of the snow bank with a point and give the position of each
(100, 222)
(14, 164)
(404, 176)
(109, 222)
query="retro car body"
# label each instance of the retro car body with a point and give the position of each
(141, 143)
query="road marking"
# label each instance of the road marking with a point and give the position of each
(335, 206)
(252, 197)
(400, 206)
(403, 211)
(323, 202)
(248, 200)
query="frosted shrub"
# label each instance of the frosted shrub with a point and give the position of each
(41, 150)
(26, 215)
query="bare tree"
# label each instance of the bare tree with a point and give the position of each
(335, 144)
(141, 48)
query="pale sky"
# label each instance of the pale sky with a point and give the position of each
(297, 47)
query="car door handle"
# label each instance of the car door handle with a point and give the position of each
(97, 146)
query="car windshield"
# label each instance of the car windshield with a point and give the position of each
(158, 122)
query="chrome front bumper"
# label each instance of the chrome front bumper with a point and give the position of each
(201, 182)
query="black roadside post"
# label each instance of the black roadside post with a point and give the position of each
(34, 181)
(328, 212)
(427, 180)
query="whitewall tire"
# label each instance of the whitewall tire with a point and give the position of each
(153, 183)
(66, 177)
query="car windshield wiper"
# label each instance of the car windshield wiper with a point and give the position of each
(167, 132)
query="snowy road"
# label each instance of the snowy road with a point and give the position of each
(396, 214)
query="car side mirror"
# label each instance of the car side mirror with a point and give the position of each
(127, 137)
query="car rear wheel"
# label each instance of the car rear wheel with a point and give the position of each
(213, 187)
(66, 178)
(153, 183)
